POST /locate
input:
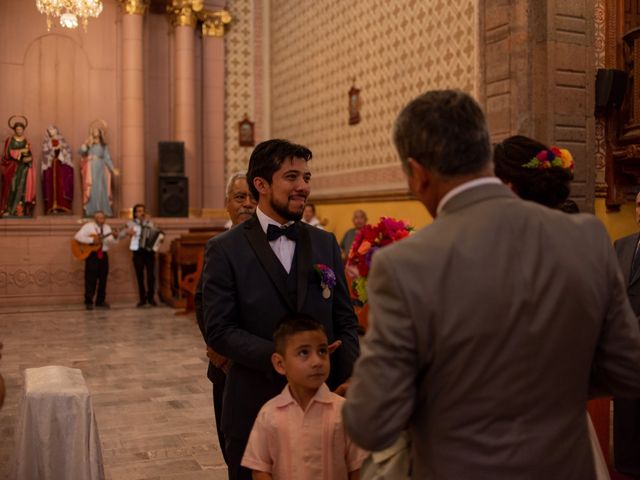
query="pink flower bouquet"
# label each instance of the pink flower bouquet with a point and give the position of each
(369, 240)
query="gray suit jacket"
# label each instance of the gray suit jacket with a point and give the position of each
(484, 329)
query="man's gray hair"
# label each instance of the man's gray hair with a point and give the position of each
(232, 180)
(445, 131)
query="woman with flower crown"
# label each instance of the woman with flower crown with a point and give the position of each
(534, 171)
(543, 175)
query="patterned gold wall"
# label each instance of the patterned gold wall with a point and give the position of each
(239, 81)
(394, 49)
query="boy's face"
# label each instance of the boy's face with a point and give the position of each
(306, 359)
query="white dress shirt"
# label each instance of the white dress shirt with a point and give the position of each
(465, 186)
(282, 246)
(84, 235)
(134, 245)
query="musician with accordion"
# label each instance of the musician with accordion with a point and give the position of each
(91, 244)
(145, 241)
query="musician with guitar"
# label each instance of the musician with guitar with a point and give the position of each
(92, 243)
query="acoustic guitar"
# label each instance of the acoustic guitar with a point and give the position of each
(82, 250)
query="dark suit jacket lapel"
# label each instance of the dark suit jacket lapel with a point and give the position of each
(258, 241)
(303, 263)
(628, 264)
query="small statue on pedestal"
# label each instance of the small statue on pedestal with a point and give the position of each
(18, 186)
(57, 173)
(96, 167)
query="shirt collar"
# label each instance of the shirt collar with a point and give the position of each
(266, 220)
(323, 395)
(463, 187)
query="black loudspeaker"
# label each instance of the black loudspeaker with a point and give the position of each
(171, 158)
(173, 195)
(611, 86)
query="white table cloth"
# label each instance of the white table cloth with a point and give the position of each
(57, 436)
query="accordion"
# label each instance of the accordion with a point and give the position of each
(151, 238)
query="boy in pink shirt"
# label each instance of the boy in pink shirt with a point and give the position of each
(298, 434)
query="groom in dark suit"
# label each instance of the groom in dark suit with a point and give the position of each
(626, 418)
(262, 270)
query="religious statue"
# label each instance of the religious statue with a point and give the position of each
(57, 172)
(96, 168)
(18, 186)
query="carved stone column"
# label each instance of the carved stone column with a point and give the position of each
(184, 19)
(133, 177)
(213, 109)
(537, 78)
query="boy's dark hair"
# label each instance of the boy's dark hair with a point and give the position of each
(291, 324)
(267, 158)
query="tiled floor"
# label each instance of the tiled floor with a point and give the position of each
(146, 371)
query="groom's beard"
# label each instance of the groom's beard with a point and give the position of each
(285, 212)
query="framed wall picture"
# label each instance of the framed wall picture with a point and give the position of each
(354, 105)
(245, 132)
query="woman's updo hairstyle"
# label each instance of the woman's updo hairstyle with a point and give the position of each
(534, 171)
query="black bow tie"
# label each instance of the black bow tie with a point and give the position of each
(274, 232)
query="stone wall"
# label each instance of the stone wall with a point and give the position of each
(537, 78)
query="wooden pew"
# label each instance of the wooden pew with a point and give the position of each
(179, 267)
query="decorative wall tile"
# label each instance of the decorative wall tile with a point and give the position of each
(239, 82)
(395, 50)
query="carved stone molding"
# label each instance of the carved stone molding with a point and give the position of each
(135, 7)
(25, 277)
(213, 22)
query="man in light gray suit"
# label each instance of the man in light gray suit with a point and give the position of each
(489, 327)
(626, 412)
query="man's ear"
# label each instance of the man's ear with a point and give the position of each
(277, 361)
(419, 176)
(261, 185)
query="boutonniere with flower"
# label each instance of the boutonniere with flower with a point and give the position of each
(369, 240)
(327, 279)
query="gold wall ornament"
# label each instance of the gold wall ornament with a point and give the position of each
(181, 13)
(213, 22)
(135, 7)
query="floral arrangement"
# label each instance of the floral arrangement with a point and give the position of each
(369, 240)
(554, 157)
(327, 278)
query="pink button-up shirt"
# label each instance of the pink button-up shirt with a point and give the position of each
(295, 444)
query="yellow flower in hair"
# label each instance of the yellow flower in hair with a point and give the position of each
(567, 159)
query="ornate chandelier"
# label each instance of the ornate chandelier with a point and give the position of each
(69, 12)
